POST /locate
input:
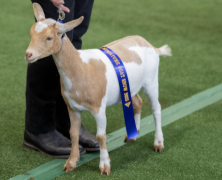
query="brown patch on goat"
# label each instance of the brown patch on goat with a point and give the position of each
(137, 104)
(120, 47)
(129, 140)
(102, 141)
(158, 148)
(106, 170)
(70, 164)
(88, 79)
(102, 145)
(38, 40)
(75, 122)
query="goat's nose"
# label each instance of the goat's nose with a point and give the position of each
(28, 55)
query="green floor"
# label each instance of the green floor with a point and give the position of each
(192, 28)
(192, 151)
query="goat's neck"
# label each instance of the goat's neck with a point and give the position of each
(67, 59)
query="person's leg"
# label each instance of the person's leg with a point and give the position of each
(43, 84)
(86, 139)
(82, 8)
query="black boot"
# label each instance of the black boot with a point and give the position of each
(86, 139)
(52, 144)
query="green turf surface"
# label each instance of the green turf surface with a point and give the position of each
(193, 31)
(54, 168)
(192, 151)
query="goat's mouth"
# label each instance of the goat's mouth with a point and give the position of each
(32, 60)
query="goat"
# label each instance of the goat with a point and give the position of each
(89, 81)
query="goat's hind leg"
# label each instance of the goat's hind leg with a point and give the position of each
(153, 93)
(75, 119)
(137, 105)
(104, 164)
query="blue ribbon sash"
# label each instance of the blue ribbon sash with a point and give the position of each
(125, 92)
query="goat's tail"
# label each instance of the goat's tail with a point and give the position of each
(165, 50)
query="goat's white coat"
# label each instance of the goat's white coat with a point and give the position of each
(68, 85)
(138, 74)
(137, 121)
(101, 118)
(40, 26)
(104, 158)
(43, 24)
(141, 75)
(144, 75)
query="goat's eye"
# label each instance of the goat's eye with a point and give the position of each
(49, 39)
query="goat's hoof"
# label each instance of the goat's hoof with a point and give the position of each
(70, 165)
(129, 140)
(105, 170)
(158, 148)
(68, 169)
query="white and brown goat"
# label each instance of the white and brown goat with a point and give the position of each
(89, 81)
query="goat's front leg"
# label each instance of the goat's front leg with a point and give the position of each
(75, 119)
(104, 164)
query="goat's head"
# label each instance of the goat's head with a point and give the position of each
(46, 35)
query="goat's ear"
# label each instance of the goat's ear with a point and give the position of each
(63, 28)
(39, 13)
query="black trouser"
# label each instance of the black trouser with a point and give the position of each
(45, 107)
